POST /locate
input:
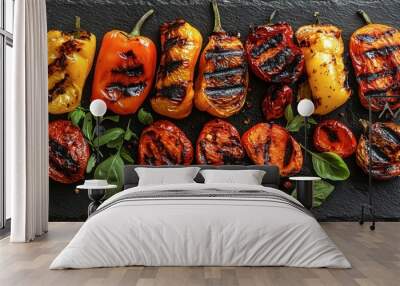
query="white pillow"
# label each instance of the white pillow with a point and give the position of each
(248, 177)
(166, 176)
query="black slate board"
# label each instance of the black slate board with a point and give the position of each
(100, 16)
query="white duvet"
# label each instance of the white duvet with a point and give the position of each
(200, 231)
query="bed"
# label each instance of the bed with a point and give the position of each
(201, 224)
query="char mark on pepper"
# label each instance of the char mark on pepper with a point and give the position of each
(130, 71)
(116, 90)
(382, 52)
(288, 152)
(59, 64)
(288, 71)
(226, 90)
(377, 155)
(368, 38)
(219, 53)
(387, 134)
(332, 135)
(173, 92)
(368, 77)
(277, 61)
(224, 72)
(170, 66)
(58, 88)
(172, 42)
(61, 160)
(272, 42)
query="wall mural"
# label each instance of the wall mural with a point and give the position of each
(181, 92)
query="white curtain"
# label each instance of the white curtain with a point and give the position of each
(26, 124)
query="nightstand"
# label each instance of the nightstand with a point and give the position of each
(96, 192)
(304, 189)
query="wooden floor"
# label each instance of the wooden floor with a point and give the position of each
(375, 257)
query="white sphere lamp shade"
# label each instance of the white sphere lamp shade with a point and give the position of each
(305, 107)
(98, 107)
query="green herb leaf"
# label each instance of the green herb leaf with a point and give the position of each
(114, 118)
(115, 143)
(87, 127)
(312, 121)
(112, 170)
(322, 190)
(91, 163)
(289, 113)
(126, 156)
(331, 166)
(145, 117)
(109, 136)
(295, 124)
(76, 116)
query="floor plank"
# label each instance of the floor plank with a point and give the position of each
(375, 257)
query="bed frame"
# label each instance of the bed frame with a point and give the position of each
(271, 178)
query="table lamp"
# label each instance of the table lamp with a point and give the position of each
(98, 108)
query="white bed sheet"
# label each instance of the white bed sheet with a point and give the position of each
(200, 232)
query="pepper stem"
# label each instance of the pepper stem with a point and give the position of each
(317, 19)
(139, 24)
(77, 27)
(271, 17)
(217, 18)
(365, 16)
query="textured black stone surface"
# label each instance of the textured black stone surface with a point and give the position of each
(101, 16)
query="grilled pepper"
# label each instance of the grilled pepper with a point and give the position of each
(68, 152)
(272, 54)
(180, 46)
(125, 69)
(163, 143)
(221, 86)
(276, 101)
(70, 58)
(322, 46)
(384, 148)
(374, 51)
(271, 144)
(333, 136)
(219, 144)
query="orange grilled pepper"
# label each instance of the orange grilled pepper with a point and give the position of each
(125, 69)
(180, 46)
(221, 86)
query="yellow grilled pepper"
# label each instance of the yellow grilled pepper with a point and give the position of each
(70, 58)
(322, 46)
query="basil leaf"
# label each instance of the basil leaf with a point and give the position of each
(76, 116)
(114, 144)
(114, 118)
(108, 136)
(312, 121)
(289, 113)
(87, 127)
(126, 156)
(145, 117)
(322, 190)
(295, 124)
(112, 170)
(91, 163)
(329, 165)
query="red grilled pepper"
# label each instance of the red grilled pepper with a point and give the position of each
(271, 144)
(163, 143)
(385, 150)
(272, 54)
(219, 144)
(333, 136)
(276, 101)
(68, 152)
(374, 51)
(125, 69)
